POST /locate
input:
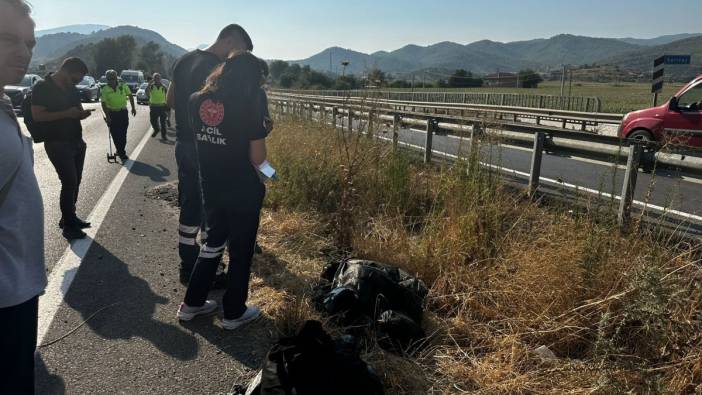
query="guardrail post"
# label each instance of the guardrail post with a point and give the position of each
(335, 116)
(350, 120)
(473, 161)
(632, 171)
(323, 114)
(371, 132)
(395, 131)
(431, 128)
(535, 170)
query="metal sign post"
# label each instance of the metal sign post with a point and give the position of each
(659, 71)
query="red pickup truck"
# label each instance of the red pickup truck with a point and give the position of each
(678, 121)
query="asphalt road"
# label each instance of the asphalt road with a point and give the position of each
(97, 174)
(115, 329)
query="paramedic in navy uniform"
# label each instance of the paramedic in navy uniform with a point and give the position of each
(227, 118)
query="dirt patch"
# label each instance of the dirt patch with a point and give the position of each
(166, 192)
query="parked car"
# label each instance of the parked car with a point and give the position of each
(133, 79)
(678, 121)
(141, 94)
(18, 93)
(89, 89)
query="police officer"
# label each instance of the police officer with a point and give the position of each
(114, 97)
(156, 92)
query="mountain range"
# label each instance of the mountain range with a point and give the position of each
(52, 46)
(82, 29)
(490, 56)
(481, 57)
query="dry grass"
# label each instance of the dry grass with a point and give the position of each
(621, 313)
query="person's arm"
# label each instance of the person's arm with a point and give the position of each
(131, 101)
(257, 152)
(106, 112)
(41, 114)
(170, 95)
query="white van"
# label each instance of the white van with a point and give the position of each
(133, 79)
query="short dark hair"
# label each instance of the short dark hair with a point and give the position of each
(236, 30)
(20, 5)
(74, 65)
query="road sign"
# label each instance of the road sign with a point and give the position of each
(659, 70)
(677, 59)
(658, 73)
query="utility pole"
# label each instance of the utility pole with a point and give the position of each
(412, 82)
(424, 78)
(563, 77)
(570, 84)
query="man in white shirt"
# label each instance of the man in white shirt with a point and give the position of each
(22, 268)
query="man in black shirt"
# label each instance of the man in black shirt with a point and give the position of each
(57, 109)
(189, 75)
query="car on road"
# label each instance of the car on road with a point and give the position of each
(141, 94)
(17, 93)
(678, 121)
(133, 79)
(88, 89)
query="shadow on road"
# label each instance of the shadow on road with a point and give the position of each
(157, 173)
(104, 281)
(47, 383)
(246, 345)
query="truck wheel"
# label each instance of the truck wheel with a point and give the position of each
(641, 135)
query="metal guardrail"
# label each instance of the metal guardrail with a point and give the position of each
(460, 111)
(637, 155)
(568, 103)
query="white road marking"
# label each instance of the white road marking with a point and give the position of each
(638, 203)
(65, 271)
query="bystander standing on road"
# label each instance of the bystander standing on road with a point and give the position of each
(57, 110)
(189, 75)
(22, 269)
(114, 97)
(227, 117)
(156, 92)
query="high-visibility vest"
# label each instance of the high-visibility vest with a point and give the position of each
(157, 95)
(115, 99)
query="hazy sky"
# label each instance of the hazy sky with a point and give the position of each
(296, 29)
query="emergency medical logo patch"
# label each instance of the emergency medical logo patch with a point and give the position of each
(211, 113)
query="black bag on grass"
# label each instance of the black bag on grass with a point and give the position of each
(375, 283)
(312, 363)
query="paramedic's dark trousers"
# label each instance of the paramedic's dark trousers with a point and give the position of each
(190, 202)
(236, 227)
(119, 123)
(18, 341)
(158, 116)
(68, 158)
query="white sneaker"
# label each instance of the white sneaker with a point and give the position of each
(187, 313)
(249, 315)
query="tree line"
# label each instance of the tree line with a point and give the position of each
(120, 53)
(294, 76)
